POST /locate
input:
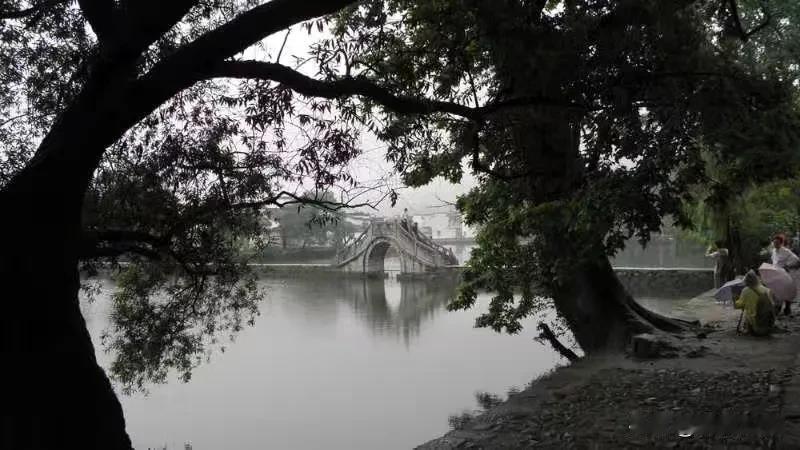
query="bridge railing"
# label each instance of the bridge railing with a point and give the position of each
(353, 247)
(441, 254)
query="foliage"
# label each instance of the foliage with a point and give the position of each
(315, 225)
(726, 207)
(586, 122)
(593, 120)
(178, 192)
(758, 213)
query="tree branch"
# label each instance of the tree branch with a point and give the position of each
(547, 334)
(191, 63)
(343, 87)
(116, 250)
(352, 86)
(255, 25)
(128, 235)
(280, 52)
(737, 22)
(99, 14)
(113, 243)
(147, 20)
(294, 199)
(22, 13)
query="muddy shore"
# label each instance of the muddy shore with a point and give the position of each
(721, 391)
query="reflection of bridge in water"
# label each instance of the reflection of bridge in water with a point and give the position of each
(418, 254)
(403, 312)
(387, 307)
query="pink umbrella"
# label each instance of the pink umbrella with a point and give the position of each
(779, 281)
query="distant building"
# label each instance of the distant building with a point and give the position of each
(445, 223)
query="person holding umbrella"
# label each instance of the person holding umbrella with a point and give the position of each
(781, 255)
(785, 259)
(756, 305)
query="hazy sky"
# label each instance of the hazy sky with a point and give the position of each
(371, 166)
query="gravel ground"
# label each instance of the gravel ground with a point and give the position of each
(636, 409)
(733, 396)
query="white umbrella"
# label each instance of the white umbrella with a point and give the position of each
(779, 282)
(730, 290)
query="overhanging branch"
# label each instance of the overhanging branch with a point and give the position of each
(99, 14)
(285, 198)
(191, 63)
(343, 87)
(356, 86)
(113, 243)
(23, 13)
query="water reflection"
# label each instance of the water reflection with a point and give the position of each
(335, 364)
(387, 307)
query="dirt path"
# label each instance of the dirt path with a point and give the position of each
(724, 391)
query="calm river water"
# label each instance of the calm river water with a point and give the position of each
(338, 364)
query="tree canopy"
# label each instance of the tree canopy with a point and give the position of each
(161, 130)
(601, 118)
(189, 175)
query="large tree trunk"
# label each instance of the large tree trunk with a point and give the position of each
(736, 258)
(56, 395)
(601, 313)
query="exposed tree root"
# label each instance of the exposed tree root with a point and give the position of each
(547, 334)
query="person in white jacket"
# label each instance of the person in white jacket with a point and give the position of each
(782, 256)
(785, 259)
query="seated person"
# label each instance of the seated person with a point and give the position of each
(757, 305)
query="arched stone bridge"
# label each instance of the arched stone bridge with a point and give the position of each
(418, 253)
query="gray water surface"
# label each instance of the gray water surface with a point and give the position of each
(337, 364)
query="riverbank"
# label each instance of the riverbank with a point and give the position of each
(722, 391)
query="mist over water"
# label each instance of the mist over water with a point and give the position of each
(336, 364)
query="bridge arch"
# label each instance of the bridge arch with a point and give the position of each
(375, 255)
